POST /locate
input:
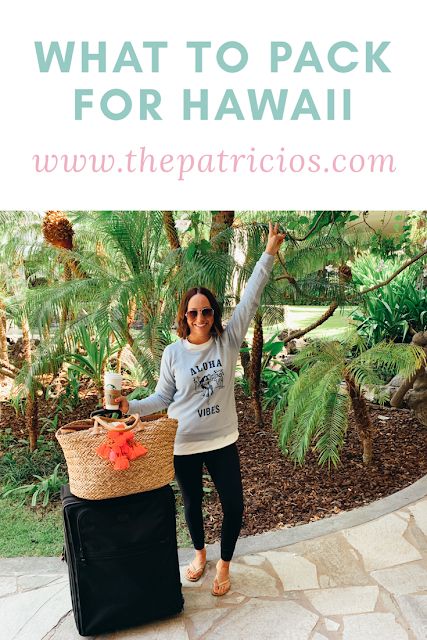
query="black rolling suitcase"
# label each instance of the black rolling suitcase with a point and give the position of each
(122, 559)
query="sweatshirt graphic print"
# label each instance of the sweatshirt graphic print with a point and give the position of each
(206, 383)
(196, 382)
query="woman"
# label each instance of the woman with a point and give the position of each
(196, 384)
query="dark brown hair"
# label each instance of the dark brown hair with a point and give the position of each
(183, 329)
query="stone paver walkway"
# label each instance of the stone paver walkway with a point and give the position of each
(363, 582)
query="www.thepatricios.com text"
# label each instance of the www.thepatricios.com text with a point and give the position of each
(184, 165)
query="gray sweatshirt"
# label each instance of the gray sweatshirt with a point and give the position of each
(196, 385)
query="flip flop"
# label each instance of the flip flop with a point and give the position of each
(217, 587)
(192, 574)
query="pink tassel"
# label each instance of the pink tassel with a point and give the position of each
(120, 448)
(103, 451)
(121, 463)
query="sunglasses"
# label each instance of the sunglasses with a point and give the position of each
(207, 312)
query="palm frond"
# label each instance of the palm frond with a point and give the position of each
(313, 412)
(326, 352)
(392, 358)
(332, 430)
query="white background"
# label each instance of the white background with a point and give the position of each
(388, 109)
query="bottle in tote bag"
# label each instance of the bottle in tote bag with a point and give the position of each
(112, 389)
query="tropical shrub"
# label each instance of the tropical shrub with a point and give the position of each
(277, 386)
(395, 311)
(330, 379)
(410, 240)
(97, 349)
(18, 466)
(44, 490)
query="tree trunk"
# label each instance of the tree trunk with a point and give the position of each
(397, 397)
(420, 339)
(32, 420)
(65, 311)
(221, 220)
(100, 391)
(362, 418)
(4, 356)
(245, 359)
(417, 398)
(130, 319)
(344, 275)
(170, 228)
(7, 373)
(31, 407)
(58, 231)
(255, 374)
(9, 366)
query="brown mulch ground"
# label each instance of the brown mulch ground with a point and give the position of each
(279, 494)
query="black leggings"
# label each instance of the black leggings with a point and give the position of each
(224, 468)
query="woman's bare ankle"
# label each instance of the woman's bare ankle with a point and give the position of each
(201, 555)
(223, 567)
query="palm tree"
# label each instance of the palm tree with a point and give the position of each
(171, 230)
(31, 403)
(332, 374)
(221, 221)
(23, 260)
(255, 367)
(303, 257)
(125, 268)
(58, 232)
(4, 356)
(128, 265)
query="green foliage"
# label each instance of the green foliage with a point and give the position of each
(277, 385)
(409, 239)
(273, 347)
(7, 439)
(307, 260)
(391, 312)
(124, 260)
(139, 393)
(244, 384)
(17, 402)
(326, 218)
(44, 490)
(385, 246)
(270, 349)
(49, 424)
(384, 360)
(68, 400)
(18, 466)
(317, 403)
(315, 406)
(91, 363)
(70, 396)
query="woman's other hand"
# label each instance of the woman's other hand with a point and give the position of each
(275, 239)
(123, 404)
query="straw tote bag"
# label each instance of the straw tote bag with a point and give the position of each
(94, 477)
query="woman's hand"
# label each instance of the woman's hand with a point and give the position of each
(123, 404)
(275, 239)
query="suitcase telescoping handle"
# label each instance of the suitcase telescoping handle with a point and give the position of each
(134, 417)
